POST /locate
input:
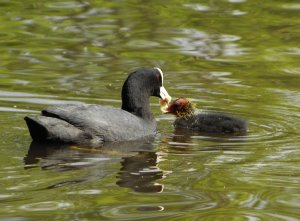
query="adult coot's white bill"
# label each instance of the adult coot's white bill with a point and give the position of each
(204, 121)
(90, 124)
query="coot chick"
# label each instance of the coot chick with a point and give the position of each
(90, 124)
(188, 117)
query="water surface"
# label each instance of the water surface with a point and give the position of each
(235, 56)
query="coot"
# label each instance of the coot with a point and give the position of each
(204, 121)
(90, 124)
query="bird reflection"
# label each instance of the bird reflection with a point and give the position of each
(187, 140)
(187, 136)
(138, 171)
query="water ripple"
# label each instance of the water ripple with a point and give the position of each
(163, 209)
(85, 192)
(197, 7)
(67, 5)
(197, 43)
(45, 206)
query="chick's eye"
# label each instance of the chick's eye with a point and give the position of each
(176, 103)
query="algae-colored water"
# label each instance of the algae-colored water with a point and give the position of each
(236, 56)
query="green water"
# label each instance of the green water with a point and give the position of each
(236, 56)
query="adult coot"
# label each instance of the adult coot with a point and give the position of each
(90, 124)
(204, 121)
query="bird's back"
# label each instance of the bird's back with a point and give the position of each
(104, 122)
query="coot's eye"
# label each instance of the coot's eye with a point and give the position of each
(158, 77)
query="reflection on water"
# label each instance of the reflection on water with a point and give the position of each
(140, 172)
(200, 44)
(139, 163)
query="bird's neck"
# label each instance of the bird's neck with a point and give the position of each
(137, 103)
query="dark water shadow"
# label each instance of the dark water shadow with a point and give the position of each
(138, 163)
(185, 135)
(189, 140)
(139, 172)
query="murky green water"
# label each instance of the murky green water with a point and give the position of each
(235, 56)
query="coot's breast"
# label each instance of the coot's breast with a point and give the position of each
(212, 122)
(110, 123)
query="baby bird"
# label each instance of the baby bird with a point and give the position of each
(188, 117)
